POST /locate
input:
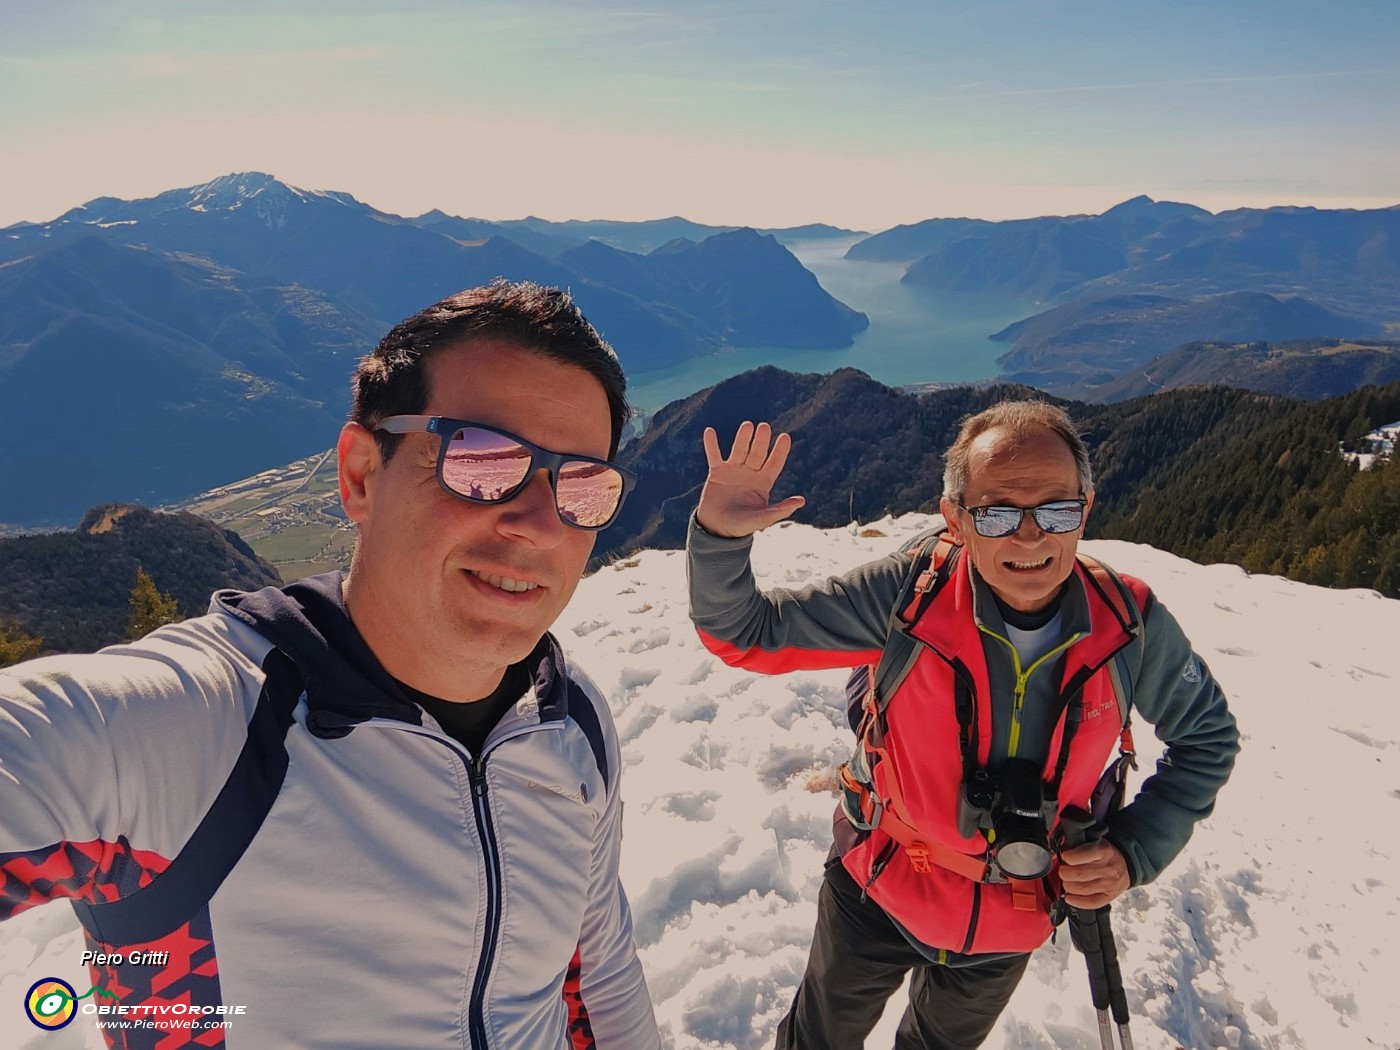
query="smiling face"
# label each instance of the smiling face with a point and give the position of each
(441, 589)
(1027, 568)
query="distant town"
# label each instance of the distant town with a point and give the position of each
(290, 515)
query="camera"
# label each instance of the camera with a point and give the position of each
(1011, 807)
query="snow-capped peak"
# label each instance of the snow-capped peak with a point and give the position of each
(268, 196)
(230, 192)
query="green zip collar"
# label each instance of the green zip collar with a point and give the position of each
(1018, 697)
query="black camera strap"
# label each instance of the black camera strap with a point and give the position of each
(964, 705)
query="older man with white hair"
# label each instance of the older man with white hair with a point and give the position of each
(984, 740)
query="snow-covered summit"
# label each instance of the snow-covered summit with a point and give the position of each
(230, 192)
(257, 191)
(1275, 929)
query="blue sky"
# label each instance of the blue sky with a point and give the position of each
(863, 113)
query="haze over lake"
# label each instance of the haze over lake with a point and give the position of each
(915, 335)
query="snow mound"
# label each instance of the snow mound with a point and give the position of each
(1269, 933)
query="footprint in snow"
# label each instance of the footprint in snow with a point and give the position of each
(695, 707)
(701, 672)
(692, 805)
(634, 679)
(1358, 672)
(637, 724)
(653, 640)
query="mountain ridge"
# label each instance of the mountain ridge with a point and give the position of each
(72, 588)
(224, 318)
(1346, 262)
(1212, 474)
(1308, 369)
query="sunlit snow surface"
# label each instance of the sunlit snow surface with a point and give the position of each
(1276, 928)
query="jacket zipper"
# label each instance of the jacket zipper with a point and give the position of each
(877, 867)
(972, 921)
(1018, 696)
(486, 829)
(476, 773)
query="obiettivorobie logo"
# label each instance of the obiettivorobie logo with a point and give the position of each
(51, 1003)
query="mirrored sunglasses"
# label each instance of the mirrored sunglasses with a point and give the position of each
(482, 464)
(1061, 515)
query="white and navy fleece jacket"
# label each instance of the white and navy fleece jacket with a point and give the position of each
(252, 793)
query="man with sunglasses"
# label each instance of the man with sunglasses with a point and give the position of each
(378, 809)
(1003, 712)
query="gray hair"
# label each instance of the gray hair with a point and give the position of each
(1019, 418)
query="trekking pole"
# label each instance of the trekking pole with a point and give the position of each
(1117, 996)
(1092, 934)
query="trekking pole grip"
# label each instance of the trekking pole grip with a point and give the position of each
(1077, 827)
(1117, 997)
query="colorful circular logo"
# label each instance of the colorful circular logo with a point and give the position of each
(51, 1003)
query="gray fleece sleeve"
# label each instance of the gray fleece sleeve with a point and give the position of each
(1177, 694)
(841, 622)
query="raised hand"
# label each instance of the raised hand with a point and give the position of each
(734, 501)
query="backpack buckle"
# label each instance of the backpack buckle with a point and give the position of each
(1023, 896)
(919, 858)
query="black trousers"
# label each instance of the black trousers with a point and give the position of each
(858, 960)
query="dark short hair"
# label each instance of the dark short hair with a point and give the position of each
(1020, 418)
(392, 379)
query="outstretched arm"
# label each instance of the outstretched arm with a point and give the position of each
(108, 761)
(839, 623)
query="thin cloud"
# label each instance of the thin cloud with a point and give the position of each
(1074, 89)
(156, 63)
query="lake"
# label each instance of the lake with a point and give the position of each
(915, 335)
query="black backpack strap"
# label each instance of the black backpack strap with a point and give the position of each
(179, 893)
(1123, 669)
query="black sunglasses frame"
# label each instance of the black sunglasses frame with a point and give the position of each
(978, 514)
(540, 458)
